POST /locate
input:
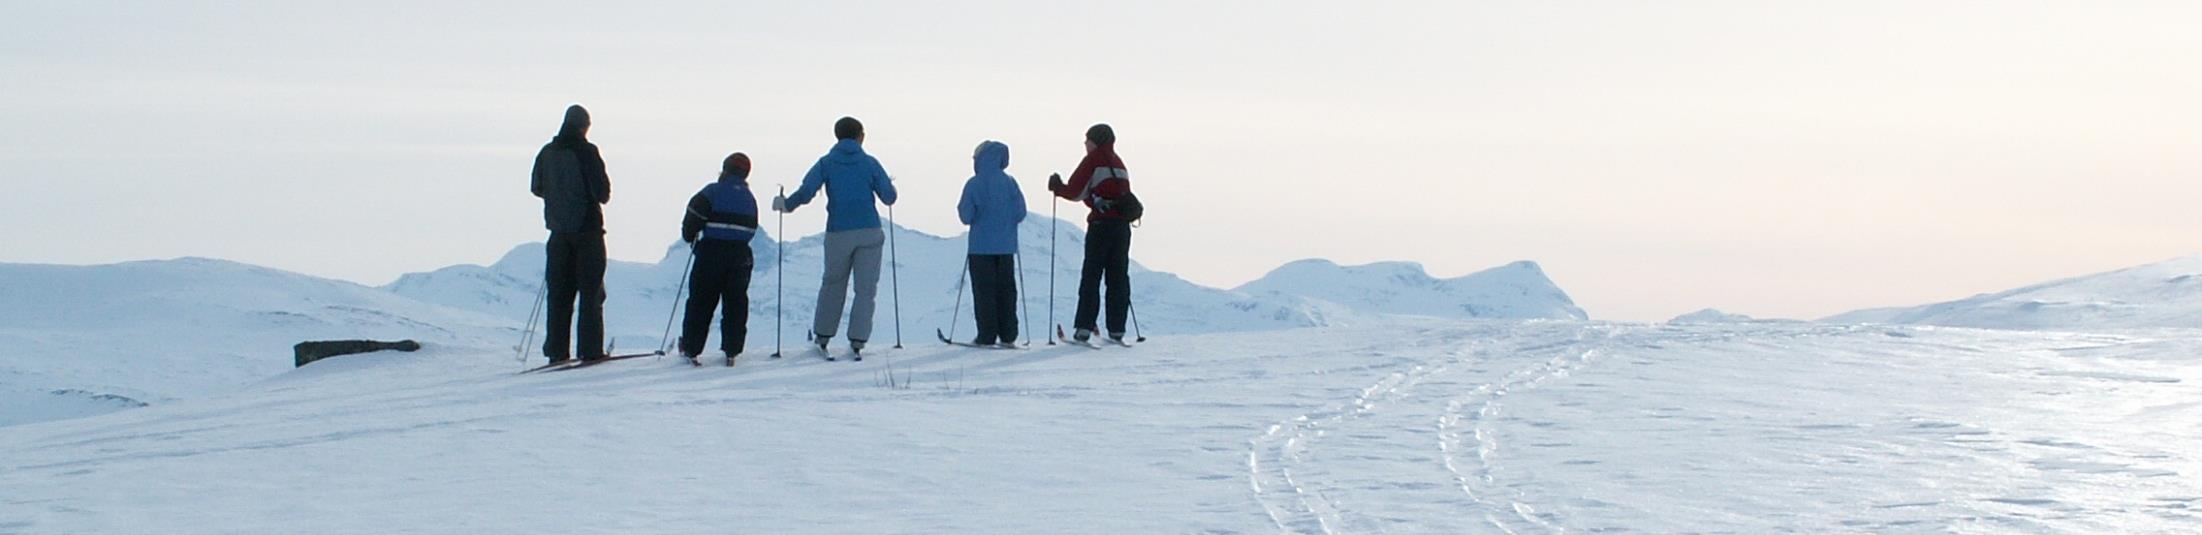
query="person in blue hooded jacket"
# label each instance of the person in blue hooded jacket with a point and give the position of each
(719, 224)
(993, 207)
(852, 179)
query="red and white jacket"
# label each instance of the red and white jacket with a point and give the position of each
(1100, 176)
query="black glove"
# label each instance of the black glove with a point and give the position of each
(1054, 182)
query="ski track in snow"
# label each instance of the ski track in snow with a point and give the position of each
(1293, 502)
(1290, 481)
(1472, 427)
(1467, 425)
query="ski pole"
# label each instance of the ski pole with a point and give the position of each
(1136, 331)
(1052, 263)
(1135, 322)
(677, 291)
(958, 310)
(542, 294)
(1023, 303)
(894, 268)
(780, 271)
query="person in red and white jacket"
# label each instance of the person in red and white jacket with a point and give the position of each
(1102, 183)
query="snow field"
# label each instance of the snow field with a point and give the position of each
(1424, 426)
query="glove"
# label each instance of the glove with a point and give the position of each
(780, 203)
(1054, 182)
(690, 238)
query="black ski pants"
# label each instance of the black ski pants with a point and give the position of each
(720, 279)
(994, 297)
(1108, 257)
(574, 271)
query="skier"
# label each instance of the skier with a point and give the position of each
(993, 207)
(720, 222)
(569, 177)
(852, 179)
(1105, 186)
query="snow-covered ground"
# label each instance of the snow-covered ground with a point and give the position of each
(1412, 426)
(83, 340)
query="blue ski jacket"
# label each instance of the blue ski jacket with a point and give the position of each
(992, 205)
(724, 210)
(851, 178)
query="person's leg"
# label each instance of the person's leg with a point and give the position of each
(705, 281)
(734, 320)
(1116, 268)
(558, 273)
(1089, 281)
(1005, 298)
(589, 262)
(982, 298)
(866, 272)
(833, 290)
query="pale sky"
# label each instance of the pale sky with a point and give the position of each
(1778, 159)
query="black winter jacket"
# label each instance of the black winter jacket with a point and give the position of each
(570, 178)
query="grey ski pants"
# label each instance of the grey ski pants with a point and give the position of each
(849, 252)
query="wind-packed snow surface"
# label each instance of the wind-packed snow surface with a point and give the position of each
(1415, 426)
(82, 340)
(2164, 294)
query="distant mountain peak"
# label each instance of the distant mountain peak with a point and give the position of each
(2162, 294)
(1518, 290)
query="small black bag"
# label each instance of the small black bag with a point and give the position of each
(1128, 206)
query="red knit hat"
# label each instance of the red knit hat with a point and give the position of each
(737, 166)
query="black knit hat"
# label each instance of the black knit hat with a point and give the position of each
(576, 124)
(1101, 134)
(847, 128)
(736, 166)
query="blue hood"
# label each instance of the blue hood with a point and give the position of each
(992, 157)
(992, 203)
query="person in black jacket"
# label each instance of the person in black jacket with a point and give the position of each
(720, 222)
(569, 177)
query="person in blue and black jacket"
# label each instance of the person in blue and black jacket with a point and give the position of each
(993, 206)
(720, 222)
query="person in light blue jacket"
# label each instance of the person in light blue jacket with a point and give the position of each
(993, 207)
(852, 179)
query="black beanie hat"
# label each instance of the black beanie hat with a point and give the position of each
(577, 121)
(847, 128)
(1101, 134)
(577, 116)
(736, 166)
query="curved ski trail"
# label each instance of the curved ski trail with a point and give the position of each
(1294, 467)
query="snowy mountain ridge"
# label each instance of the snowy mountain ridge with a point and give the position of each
(160, 331)
(2165, 294)
(930, 275)
(1520, 290)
